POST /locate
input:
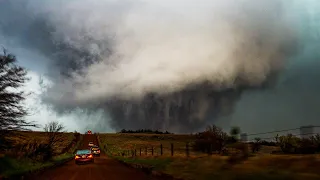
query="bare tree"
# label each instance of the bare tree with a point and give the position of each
(256, 146)
(54, 134)
(12, 111)
(53, 131)
(12, 77)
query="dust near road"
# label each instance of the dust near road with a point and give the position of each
(103, 168)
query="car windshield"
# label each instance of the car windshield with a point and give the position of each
(90, 142)
(85, 151)
(95, 147)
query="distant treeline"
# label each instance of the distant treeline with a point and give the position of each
(145, 131)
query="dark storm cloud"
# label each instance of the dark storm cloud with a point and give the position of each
(35, 33)
(151, 67)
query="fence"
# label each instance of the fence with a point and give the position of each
(186, 149)
(160, 150)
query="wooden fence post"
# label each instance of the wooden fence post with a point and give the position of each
(171, 149)
(210, 149)
(135, 152)
(187, 149)
(152, 151)
(161, 152)
(140, 151)
(132, 152)
(146, 151)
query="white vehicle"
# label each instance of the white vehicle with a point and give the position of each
(90, 144)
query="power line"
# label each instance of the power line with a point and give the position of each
(277, 131)
(292, 135)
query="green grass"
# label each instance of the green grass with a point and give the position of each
(10, 166)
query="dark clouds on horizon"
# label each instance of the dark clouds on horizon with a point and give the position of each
(294, 101)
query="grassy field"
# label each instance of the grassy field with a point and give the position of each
(13, 163)
(118, 142)
(11, 166)
(262, 165)
(28, 138)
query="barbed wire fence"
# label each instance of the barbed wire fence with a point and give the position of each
(271, 135)
(176, 149)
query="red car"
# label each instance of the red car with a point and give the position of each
(83, 156)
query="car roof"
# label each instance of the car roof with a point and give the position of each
(83, 151)
(95, 146)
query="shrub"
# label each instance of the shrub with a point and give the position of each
(213, 139)
(256, 145)
(306, 146)
(316, 141)
(288, 143)
(291, 144)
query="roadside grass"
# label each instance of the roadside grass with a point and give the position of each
(11, 166)
(77, 145)
(158, 164)
(205, 168)
(267, 167)
(262, 166)
(29, 137)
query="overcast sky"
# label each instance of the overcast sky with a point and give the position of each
(295, 101)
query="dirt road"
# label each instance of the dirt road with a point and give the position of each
(104, 168)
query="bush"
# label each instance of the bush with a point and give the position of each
(306, 146)
(213, 139)
(256, 146)
(290, 144)
(316, 141)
